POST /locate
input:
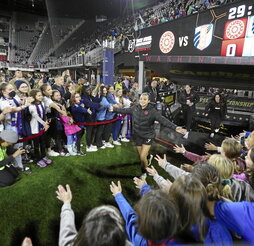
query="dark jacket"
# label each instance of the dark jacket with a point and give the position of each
(91, 102)
(153, 94)
(214, 108)
(143, 120)
(79, 114)
(192, 97)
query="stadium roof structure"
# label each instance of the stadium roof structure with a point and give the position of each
(86, 9)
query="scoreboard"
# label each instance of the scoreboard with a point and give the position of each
(224, 31)
(238, 38)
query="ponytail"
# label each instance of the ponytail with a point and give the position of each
(226, 192)
(236, 167)
(213, 192)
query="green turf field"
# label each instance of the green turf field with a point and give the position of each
(30, 208)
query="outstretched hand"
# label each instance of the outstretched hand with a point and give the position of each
(63, 194)
(187, 167)
(151, 171)
(210, 146)
(139, 182)
(207, 155)
(160, 160)
(27, 242)
(115, 189)
(181, 130)
(89, 111)
(179, 149)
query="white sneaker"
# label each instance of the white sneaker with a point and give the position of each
(217, 130)
(126, 140)
(53, 153)
(108, 145)
(102, 147)
(90, 149)
(186, 135)
(116, 143)
(103, 141)
(70, 150)
(211, 135)
(93, 146)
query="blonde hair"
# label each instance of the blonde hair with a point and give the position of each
(223, 164)
(232, 148)
(226, 170)
(250, 140)
(210, 177)
(120, 97)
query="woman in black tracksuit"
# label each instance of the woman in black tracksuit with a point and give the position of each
(188, 100)
(216, 110)
(143, 117)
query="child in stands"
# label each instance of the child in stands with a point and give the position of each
(71, 131)
(101, 117)
(79, 114)
(154, 221)
(195, 224)
(248, 174)
(126, 127)
(47, 93)
(92, 103)
(38, 123)
(56, 123)
(102, 226)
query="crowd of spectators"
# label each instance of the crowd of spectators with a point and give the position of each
(165, 11)
(112, 29)
(198, 207)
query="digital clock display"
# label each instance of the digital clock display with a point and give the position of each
(240, 11)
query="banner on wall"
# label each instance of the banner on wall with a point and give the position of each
(108, 67)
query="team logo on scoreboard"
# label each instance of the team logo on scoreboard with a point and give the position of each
(131, 45)
(203, 36)
(235, 29)
(139, 44)
(167, 42)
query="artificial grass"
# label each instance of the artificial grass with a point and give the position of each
(30, 208)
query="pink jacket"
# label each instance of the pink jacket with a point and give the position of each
(198, 158)
(69, 129)
(194, 157)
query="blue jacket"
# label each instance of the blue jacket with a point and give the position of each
(101, 113)
(111, 99)
(238, 217)
(217, 233)
(78, 113)
(90, 102)
(130, 218)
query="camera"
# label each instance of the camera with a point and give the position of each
(28, 148)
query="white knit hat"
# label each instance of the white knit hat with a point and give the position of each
(9, 136)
